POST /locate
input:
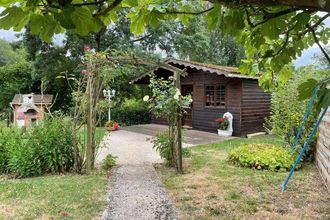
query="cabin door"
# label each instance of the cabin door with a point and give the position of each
(187, 117)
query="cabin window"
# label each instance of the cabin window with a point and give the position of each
(215, 95)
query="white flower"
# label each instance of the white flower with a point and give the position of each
(146, 98)
(328, 86)
(177, 94)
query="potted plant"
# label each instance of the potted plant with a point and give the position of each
(224, 127)
(111, 126)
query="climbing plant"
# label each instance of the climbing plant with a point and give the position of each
(167, 102)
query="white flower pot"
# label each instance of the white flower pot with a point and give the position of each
(225, 133)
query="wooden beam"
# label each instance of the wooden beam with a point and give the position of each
(178, 124)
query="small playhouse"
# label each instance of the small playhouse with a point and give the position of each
(29, 109)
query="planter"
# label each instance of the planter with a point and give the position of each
(114, 128)
(224, 133)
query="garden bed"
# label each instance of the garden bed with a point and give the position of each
(214, 188)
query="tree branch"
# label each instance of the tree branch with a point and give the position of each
(141, 38)
(314, 26)
(318, 43)
(320, 5)
(114, 4)
(268, 16)
(187, 12)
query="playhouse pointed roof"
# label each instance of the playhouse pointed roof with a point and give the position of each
(45, 99)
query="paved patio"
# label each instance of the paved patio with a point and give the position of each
(190, 137)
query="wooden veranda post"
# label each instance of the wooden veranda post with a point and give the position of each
(90, 121)
(178, 127)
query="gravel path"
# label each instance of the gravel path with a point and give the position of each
(136, 191)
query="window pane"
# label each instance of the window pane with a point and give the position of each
(215, 95)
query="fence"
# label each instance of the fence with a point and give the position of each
(323, 149)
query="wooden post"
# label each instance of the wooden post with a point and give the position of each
(90, 123)
(178, 124)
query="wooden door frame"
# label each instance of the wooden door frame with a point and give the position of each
(192, 103)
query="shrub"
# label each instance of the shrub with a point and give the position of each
(130, 112)
(9, 138)
(262, 156)
(288, 111)
(45, 148)
(163, 145)
(109, 162)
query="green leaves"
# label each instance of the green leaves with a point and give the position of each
(13, 17)
(84, 22)
(45, 26)
(65, 18)
(306, 89)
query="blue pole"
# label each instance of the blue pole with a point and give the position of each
(309, 108)
(285, 183)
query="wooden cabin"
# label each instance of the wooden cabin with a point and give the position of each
(29, 109)
(216, 90)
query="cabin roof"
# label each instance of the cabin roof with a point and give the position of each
(45, 99)
(227, 71)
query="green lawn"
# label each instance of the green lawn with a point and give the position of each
(213, 188)
(53, 197)
(99, 134)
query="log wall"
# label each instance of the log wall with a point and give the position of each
(323, 149)
(255, 107)
(203, 117)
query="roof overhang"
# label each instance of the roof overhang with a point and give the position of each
(230, 72)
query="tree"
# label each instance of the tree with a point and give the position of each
(273, 32)
(14, 78)
(9, 54)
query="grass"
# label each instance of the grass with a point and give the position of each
(213, 188)
(53, 197)
(99, 134)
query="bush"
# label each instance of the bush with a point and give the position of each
(262, 156)
(109, 162)
(9, 138)
(45, 148)
(163, 145)
(288, 111)
(131, 112)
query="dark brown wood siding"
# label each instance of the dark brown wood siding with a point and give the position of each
(203, 117)
(255, 107)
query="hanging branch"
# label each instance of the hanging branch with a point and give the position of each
(318, 43)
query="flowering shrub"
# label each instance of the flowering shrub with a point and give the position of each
(262, 156)
(223, 123)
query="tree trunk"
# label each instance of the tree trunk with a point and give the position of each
(90, 122)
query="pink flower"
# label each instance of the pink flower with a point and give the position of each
(87, 47)
(83, 72)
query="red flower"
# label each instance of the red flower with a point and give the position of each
(115, 127)
(220, 120)
(87, 47)
(83, 72)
